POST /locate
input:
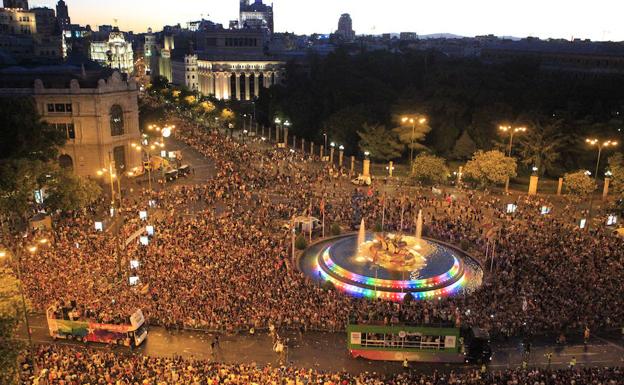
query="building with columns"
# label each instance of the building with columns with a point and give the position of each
(96, 109)
(237, 79)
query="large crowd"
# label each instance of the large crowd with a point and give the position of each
(64, 365)
(220, 259)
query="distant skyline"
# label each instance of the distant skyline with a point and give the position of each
(596, 20)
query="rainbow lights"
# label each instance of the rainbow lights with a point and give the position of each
(444, 285)
(419, 284)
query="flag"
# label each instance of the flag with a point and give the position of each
(323, 205)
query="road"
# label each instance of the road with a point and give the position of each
(327, 351)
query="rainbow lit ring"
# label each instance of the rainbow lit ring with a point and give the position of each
(444, 285)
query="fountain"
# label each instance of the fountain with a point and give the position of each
(389, 265)
(419, 223)
(361, 235)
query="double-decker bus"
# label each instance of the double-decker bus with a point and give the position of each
(130, 333)
(418, 343)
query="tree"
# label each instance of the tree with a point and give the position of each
(227, 115)
(540, 146)
(616, 166)
(380, 142)
(69, 192)
(159, 83)
(18, 182)
(24, 134)
(464, 147)
(429, 168)
(10, 313)
(579, 183)
(491, 167)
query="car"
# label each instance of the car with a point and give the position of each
(362, 181)
(171, 175)
(184, 170)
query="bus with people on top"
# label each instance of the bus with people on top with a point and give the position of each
(67, 323)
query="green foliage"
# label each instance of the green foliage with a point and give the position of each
(301, 243)
(23, 134)
(464, 147)
(579, 183)
(380, 142)
(616, 166)
(343, 126)
(488, 168)
(338, 93)
(540, 146)
(429, 168)
(335, 229)
(159, 83)
(71, 192)
(19, 178)
(10, 313)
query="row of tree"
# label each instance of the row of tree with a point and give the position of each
(493, 167)
(360, 100)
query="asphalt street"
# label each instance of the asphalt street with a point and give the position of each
(328, 351)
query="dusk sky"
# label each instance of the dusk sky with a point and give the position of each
(595, 19)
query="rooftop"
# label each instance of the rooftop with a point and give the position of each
(54, 76)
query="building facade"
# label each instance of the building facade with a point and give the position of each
(99, 117)
(255, 15)
(62, 15)
(17, 22)
(345, 27)
(113, 51)
(237, 80)
(16, 4)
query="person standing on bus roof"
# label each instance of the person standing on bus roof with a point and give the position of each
(405, 363)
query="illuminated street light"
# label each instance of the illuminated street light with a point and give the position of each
(413, 121)
(600, 144)
(512, 132)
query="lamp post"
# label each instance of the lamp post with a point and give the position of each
(413, 122)
(285, 126)
(512, 131)
(17, 256)
(600, 145)
(112, 176)
(332, 146)
(340, 155)
(278, 123)
(244, 135)
(148, 150)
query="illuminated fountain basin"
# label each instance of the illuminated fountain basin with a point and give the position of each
(389, 266)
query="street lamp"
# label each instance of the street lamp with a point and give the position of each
(600, 145)
(18, 262)
(332, 146)
(413, 122)
(286, 125)
(148, 151)
(244, 135)
(512, 132)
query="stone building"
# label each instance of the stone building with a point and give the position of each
(113, 50)
(96, 109)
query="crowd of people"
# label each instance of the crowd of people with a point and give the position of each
(220, 260)
(65, 365)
